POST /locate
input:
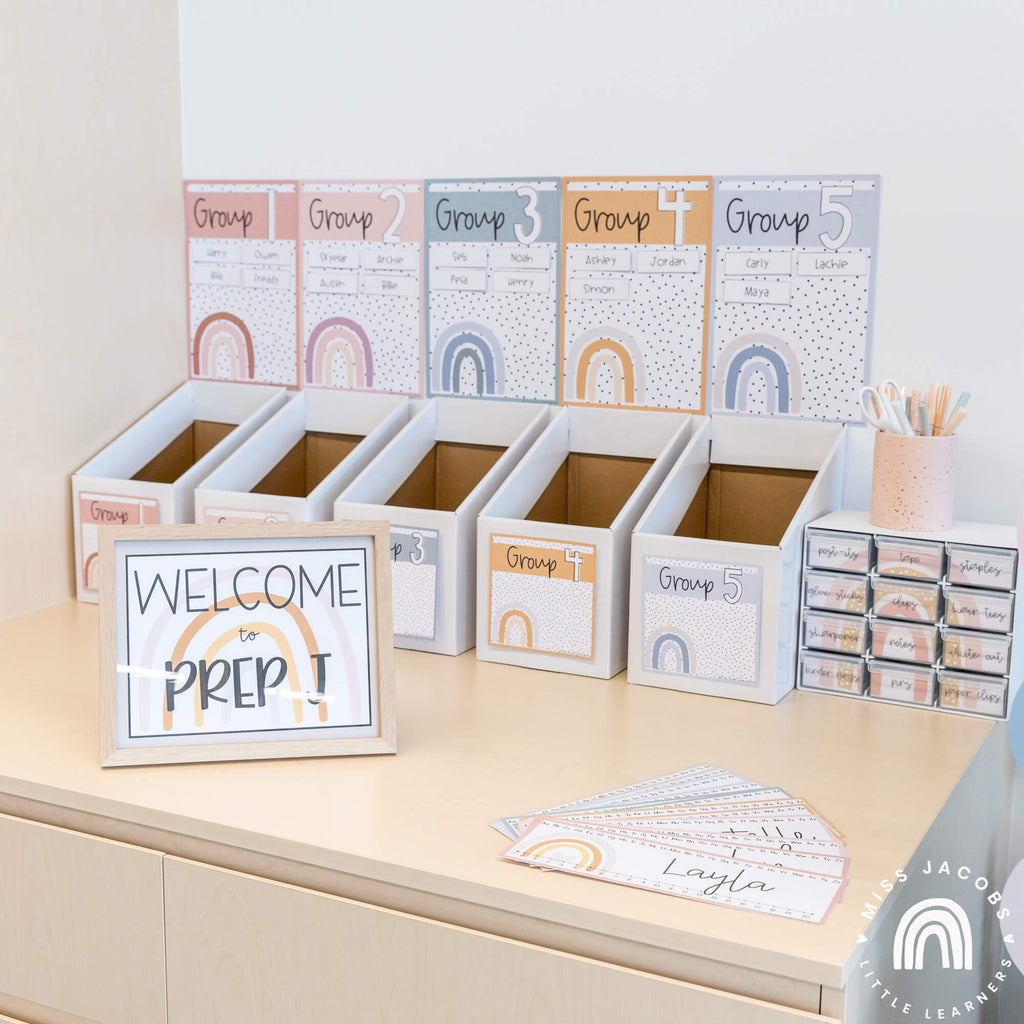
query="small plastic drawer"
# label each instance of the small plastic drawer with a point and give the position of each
(905, 684)
(902, 599)
(835, 672)
(961, 691)
(829, 631)
(988, 653)
(901, 556)
(972, 608)
(905, 641)
(830, 549)
(836, 591)
(982, 567)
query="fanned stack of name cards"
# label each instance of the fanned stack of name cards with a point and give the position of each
(704, 833)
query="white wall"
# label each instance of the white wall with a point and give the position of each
(927, 95)
(92, 320)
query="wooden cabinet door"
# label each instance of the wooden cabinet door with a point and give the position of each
(81, 925)
(242, 950)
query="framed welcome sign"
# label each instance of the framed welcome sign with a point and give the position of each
(245, 642)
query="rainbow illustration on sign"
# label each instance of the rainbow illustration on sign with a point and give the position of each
(476, 344)
(670, 652)
(602, 347)
(223, 332)
(515, 628)
(339, 337)
(753, 356)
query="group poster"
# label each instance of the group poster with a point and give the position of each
(794, 267)
(362, 287)
(492, 317)
(636, 293)
(242, 282)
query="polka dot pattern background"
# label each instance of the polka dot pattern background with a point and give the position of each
(723, 637)
(664, 315)
(825, 325)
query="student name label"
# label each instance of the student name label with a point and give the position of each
(244, 638)
(701, 619)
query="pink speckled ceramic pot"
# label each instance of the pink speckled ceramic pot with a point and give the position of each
(912, 482)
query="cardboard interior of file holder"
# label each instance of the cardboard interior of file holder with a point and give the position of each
(195, 441)
(589, 490)
(307, 463)
(745, 504)
(446, 475)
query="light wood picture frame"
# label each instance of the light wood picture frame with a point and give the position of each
(207, 637)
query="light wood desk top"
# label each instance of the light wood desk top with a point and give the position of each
(478, 741)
